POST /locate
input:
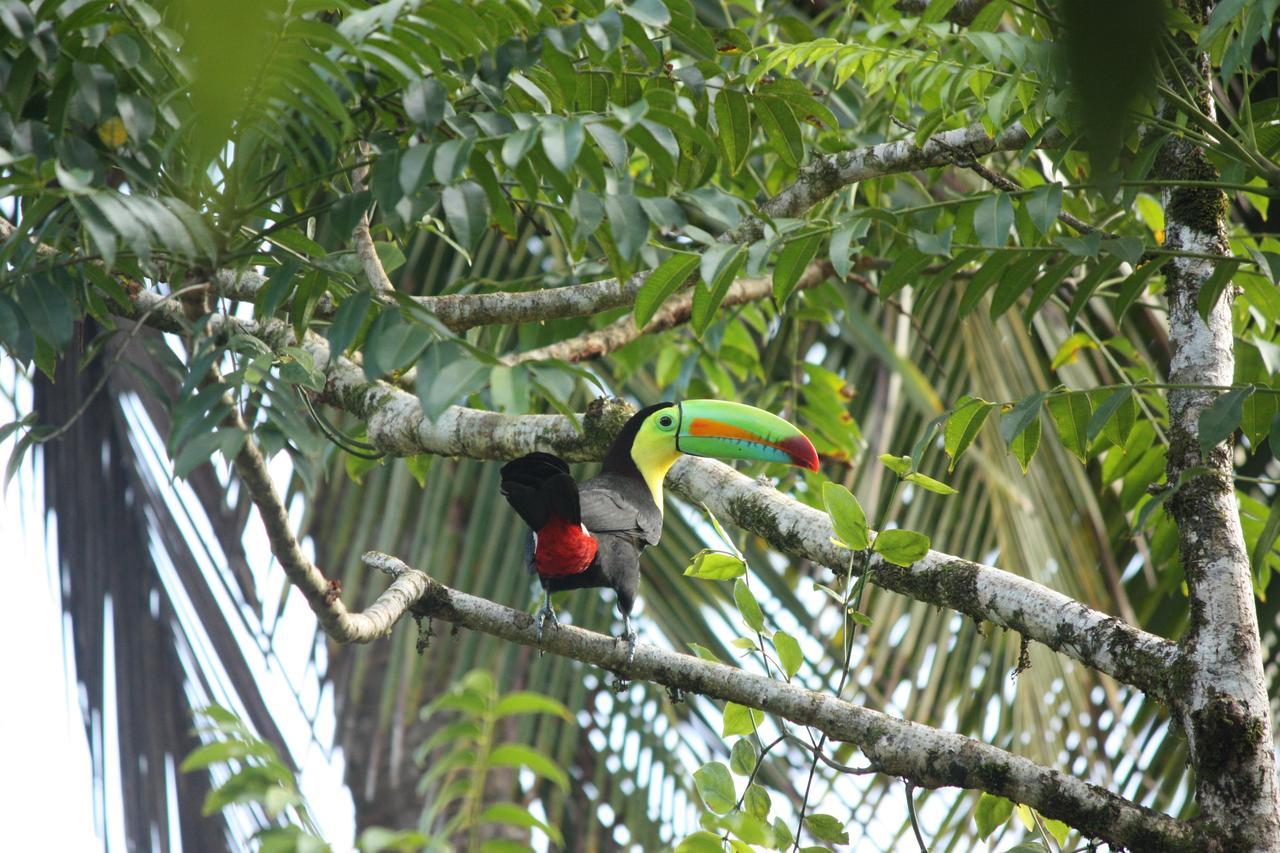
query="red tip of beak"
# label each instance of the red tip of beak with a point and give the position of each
(801, 451)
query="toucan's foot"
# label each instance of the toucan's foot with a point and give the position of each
(629, 637)
(544, 613)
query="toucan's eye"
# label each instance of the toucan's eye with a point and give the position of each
(666, 421)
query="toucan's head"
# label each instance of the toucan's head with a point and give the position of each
(655, 437)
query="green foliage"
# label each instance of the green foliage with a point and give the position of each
(466, 749)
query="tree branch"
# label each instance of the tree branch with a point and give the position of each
(929, 757)
(674, 312)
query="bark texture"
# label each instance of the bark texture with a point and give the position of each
(1221, 699)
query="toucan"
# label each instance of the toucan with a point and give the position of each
(591, 534)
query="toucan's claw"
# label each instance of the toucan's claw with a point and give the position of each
(544, 613)
(629, 635)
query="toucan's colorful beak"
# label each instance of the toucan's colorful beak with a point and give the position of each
(734, 431)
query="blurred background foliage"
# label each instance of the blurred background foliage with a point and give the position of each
(508, 146)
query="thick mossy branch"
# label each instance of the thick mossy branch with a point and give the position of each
(928, 757)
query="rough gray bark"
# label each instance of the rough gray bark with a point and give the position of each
(929, 757)
(1220, 696)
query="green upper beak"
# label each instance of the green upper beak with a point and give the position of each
(734, 431)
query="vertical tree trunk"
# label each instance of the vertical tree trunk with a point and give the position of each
(1225, 712)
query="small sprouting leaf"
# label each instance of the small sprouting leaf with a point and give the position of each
(743, 757)
(963, 426)
(1043, 205)
(704, 652)
(1070, 348)
(992, 220)
(900, 465)
(740, 720)
(792, 260)
(715, 786)
(1220, 419)
(748, 607)
(901, 547)
(991, 813)
(715, 566)
(847, 517)
(1071, 413)
(826, 828)
(930, 485)
(661, 283)
(789, 655)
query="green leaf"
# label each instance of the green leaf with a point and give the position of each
(1211, 290)
(704, 652)
(733, 117)
(520, 755)
(424, 102)
(847, 517)
(743, 757)
(1103, 415)
(963, 425)
(740, 720)
(780, 125)
(466, 209)
(715, 786)
(660, 284)
(1057, 829)
(1128, 249)
(1134, 286)
(527, 702)
(562, 141)
(1267, 538)
(789, 655)
(900, 465)
(901, 547)
(706, 302)
(715, 566)
(758, 803)
(700, 842)
(651, 12)
(1024, 444)
(792, 261)
(748, 607)
(992, 812)
(930, 485)
(375, 839)
(441, 387)
(1071, 413)
(1043, 206)
(347, 321)
(48, 309)
(992, 219)
(512, 814)
(826, 828)
(1219, 421)
(628, 223)
(1021, 416)
(1259, 409)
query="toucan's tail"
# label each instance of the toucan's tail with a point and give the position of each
(538, 486)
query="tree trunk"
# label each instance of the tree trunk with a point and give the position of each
(1224, 707)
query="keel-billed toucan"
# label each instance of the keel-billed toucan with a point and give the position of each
(591, 534)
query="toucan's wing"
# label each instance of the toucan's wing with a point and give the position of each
(612, 504)
(538, 486)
